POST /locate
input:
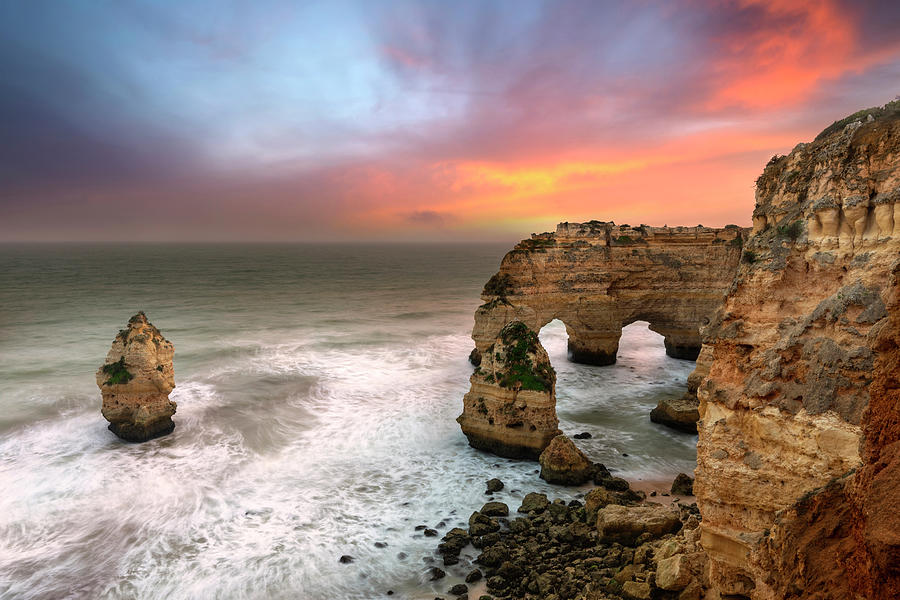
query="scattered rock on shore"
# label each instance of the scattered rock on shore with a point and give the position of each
(493, 485)
(612, 546)
(563, 463)
(683, 485)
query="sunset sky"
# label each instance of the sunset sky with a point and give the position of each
(380, 120)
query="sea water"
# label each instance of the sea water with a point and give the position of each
(317, 391)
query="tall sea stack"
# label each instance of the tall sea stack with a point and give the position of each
(510, 409)
(136, 380)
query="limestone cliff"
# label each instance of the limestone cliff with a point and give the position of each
(798, 439)
(597, 277)
(135, 382)
(510, 409)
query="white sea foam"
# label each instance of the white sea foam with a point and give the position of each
(296, 442)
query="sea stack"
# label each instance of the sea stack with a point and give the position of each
(510, 409)
(136, 380)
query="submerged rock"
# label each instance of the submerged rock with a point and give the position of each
(563, 463)
(136, 380)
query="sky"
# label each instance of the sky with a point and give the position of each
(215, 120)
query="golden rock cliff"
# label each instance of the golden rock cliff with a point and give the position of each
(799, 419)
(136, 380)
(597, 277)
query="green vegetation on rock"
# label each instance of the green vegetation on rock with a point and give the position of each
(520, 344)
(117, 372)
(791, 231)
(891, 108)
(498, 285)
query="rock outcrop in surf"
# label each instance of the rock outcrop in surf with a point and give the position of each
(136, 380)
(510, 409)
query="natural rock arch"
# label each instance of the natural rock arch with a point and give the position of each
(596, 278)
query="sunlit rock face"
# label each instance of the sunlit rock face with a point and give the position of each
(798, 453)
(597, 277)
(136, 380)
(510, 409)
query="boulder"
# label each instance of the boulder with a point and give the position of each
(683, 485)
(493, 485)
(636, 590)
(676, 572)
(625, 524)
(534, 503)
(135, 382)
(596, 499)
(480, 524)
(495, 509)
(678, 413)
(563, 463)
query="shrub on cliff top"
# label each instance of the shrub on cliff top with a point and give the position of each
(889, 109)
(117, 372)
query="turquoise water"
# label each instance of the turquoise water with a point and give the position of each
(317, 387)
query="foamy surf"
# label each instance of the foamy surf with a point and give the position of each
(298, 440)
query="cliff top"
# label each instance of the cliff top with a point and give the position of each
(848, 163)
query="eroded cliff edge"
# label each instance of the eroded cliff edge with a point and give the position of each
(798, 453)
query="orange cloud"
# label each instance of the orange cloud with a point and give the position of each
(782, 61)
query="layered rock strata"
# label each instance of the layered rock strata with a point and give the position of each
(136, 380)
(798, 453)
(510, 409)
(597, 277)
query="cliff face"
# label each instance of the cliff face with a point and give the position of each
(799, 414)
(136, 380)
(510, 409)
(597, 277)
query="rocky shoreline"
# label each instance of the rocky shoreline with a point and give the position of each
(610, 542)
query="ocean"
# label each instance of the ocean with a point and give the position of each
(317, 391)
